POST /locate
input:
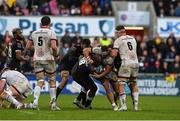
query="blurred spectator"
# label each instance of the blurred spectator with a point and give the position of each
(103, 2)
(86, 8)
(105, 41)
(45, 9)
(106, 10)
(75, 10)
(64, 11)
(162, 12)
(176, 65)
(22, 3)
(76, 39)
(54, 7)
(35, 11)
(171, 11)
(10, 3)
(66, 40)
(4, 10)
(96, 42)
(167, 7)
(17, 11)
(177, 10)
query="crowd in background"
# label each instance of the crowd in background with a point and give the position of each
(167, 7)
(56, 7)
(155, 56)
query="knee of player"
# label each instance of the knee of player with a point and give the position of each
(40, 82)
(52, 83)
(65, 74)
(122, 82)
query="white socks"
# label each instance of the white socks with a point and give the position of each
(135, 97)
(12, 100)
(37, 92)
(53, 94)
(123, 100)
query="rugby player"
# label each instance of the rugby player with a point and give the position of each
(45, 52)
(14, 87)
(126, 46)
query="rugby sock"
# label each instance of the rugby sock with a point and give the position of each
(58, 91)
(113, 104)
(135, 97)
(53, 94)
(88, 101)
(37, 91)
(12, 100)
(81, 96)
(123, 99)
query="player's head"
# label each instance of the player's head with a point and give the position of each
(105, 51)
(85, 43)
(45, 21)
(17, 33)
(97, 59)
(120, 30)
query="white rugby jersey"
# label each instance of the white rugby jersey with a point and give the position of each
(127, 48)
(15, 78)
(42, 46)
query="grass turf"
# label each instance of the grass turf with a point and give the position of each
(151, 107)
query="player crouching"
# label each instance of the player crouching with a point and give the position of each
(14, 88)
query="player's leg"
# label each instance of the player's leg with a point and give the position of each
(50, 71)
(64, 76)
(38, 87)
(122, 94)
(81, 98)
(91, 86)
(134, 93)
(109, 93)
(123, 77)
(133, 85)
(114, 85)
(39, 72)
(8, 95)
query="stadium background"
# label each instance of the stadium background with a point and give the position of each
(155, 25)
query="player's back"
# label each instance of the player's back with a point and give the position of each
(41, 40)
(14, 77)
(127, 49)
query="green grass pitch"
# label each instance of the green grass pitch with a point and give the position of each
(151, 108)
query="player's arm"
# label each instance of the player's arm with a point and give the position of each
(2, 84)
(107, 69)
(19, 54)
(54, 47)
(54, 44)
(115, 50)
(86, 53)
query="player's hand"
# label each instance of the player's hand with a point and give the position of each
(89, 60)
(27, 58)
(56, 58)
(95, 75)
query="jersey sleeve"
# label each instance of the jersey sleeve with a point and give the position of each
(3, 76)
(116, 44)
(53, 36)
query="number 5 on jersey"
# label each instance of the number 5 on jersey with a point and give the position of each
(40, 41)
